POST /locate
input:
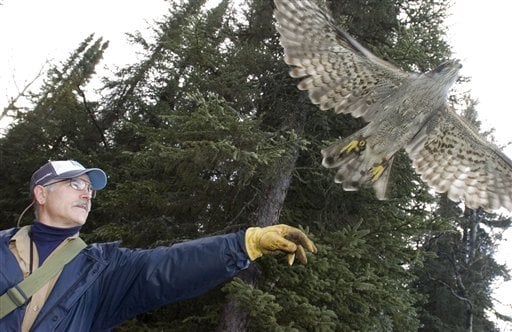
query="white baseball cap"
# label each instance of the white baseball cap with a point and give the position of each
(67, 169)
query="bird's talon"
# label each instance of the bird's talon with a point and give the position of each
(355, 145)
(376, 172)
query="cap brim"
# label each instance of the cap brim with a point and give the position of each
(97, 176)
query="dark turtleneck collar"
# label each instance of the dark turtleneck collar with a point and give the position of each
(47, 238)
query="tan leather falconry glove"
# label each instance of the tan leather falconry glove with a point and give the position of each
(284, 238)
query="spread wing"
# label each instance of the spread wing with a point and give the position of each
(338, 72)
(453, 158)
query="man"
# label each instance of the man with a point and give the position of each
(104, 284)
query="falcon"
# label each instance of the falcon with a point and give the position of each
(403, 110)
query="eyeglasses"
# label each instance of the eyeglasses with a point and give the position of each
(77, 184)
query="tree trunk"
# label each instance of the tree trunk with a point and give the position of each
(234, 318)
(472, 245)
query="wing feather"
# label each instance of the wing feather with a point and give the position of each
(455, 159)
(337, 71)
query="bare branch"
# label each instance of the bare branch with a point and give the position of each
(91, 115)
(11, 105)
(452, 290)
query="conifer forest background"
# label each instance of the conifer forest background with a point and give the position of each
(208, 134)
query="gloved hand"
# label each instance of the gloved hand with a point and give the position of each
(291, 240)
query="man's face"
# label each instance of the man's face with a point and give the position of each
(61, 204)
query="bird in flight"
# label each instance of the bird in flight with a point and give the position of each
(402, 110)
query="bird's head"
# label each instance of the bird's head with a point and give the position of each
(447, 71)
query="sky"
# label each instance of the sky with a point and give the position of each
(479, 32)
(34, 33)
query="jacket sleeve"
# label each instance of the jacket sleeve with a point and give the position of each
(136, 281)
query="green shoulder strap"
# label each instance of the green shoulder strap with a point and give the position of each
(19, 294)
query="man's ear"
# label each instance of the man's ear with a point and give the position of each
(40, 194)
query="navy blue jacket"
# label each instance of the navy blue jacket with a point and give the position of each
(104, 285)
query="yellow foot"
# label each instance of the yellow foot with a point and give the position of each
(355, 145)
(377, 171)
